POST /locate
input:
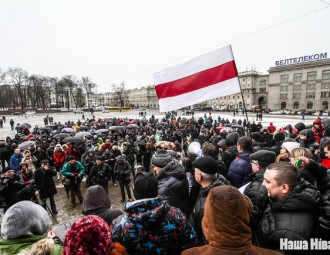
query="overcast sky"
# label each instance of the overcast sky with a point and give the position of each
(129, 40)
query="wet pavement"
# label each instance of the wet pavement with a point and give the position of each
(65, 211)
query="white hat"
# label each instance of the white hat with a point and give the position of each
(289, 146)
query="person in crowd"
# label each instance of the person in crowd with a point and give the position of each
(254, 189)
(293, 210)
(22, 225)
(46, 185)
(29, 159)
(10, 185)
(123, 172)
(100, 174)
(88, 163)
(26, 176)
(97, 202)
(278, 140)
(240, 168)
(91, 235)
(74, 171)
(210, 151)
(114, 153)
(150, 225)
(304, 172)
(231, 152)
(50, 153)
(271, 128)
(40, 155)
(16, 159)
(172, 180)
(206, 174)
(318, 130)
(232, 233)
(307, 140)
(59, 159)
(287, 146)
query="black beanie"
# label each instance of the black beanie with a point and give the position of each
(161, 158)
(206, 165)
(279, 137)
(145, 185)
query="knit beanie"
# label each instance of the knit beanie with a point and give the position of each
(161, 158)
(279, 137)
(206, 165)
(89, 235)
(289, 146)
(145, 185)
(24, 219)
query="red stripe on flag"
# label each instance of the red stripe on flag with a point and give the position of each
(197, 81)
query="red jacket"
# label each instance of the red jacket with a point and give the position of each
(59, 157)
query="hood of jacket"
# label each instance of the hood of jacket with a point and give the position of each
(173, 169)
(233, 220)
(221, 180)
(95, 199)
(147, 213)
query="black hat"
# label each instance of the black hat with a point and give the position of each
(145, 185)
(7, 168)
(264, 157)
(232, 139)
(71, 157)
(45, 161)
(279, 137)
(99, 158)
(206, 165)
(161, 158)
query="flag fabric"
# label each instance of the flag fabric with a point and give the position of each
(205, 77)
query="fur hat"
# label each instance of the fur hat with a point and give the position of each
(264, 157)
(145, 185)
(15, 223)
(161, 158)
(206, 165)
(289, 146)
(88, 235)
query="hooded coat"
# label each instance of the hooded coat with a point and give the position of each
(173, 183)
(97, 202)
(227, 228)
(153, 226)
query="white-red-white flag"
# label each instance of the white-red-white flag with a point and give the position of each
(205, 77)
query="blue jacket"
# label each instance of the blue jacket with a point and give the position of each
(240, 169)
(15, 161)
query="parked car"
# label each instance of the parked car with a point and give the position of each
(78, 110)
(17, 113)
(279, 112)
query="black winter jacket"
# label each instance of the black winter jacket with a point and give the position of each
(295, 217)
(173, 183)
(45, 182)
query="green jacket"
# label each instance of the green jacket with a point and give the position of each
(79, 169)
(14, 246)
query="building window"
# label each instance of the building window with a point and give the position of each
(283, 105)
(310, 86)
(233, 97)
(296, 87)
(284, 88)
(284, 78)
(297, 77)
(296, 105)
(311, 76)
(237, 97)
(310, 105)
(283, 96)
(310, 95)
(262, 83)
(325, 94)
(326, 75)
(262, 90)
(325, 105)
(325, 85)
(296, 95)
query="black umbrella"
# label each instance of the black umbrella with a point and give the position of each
(27, 124)
(73, 139)
(61, 135)
(83, 128)
(19, 127)
(27, 144)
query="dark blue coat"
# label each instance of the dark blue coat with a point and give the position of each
(240, 169)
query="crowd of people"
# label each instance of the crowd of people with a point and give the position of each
(190, 186)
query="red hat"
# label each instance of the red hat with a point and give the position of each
(89, 235)
(317, 121)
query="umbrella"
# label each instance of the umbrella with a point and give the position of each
(103, 130)
(61, 135)
(27, 124)
(27, 144)
(132, 126)
(83, 134)
(22, 126)
(117, 128)
(73, 139)
(83, 129)
(68, 130)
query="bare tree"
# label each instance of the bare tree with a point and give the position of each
(87, 84)
(18, 78)
(119, 94)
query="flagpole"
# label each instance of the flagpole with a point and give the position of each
(240, 87)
